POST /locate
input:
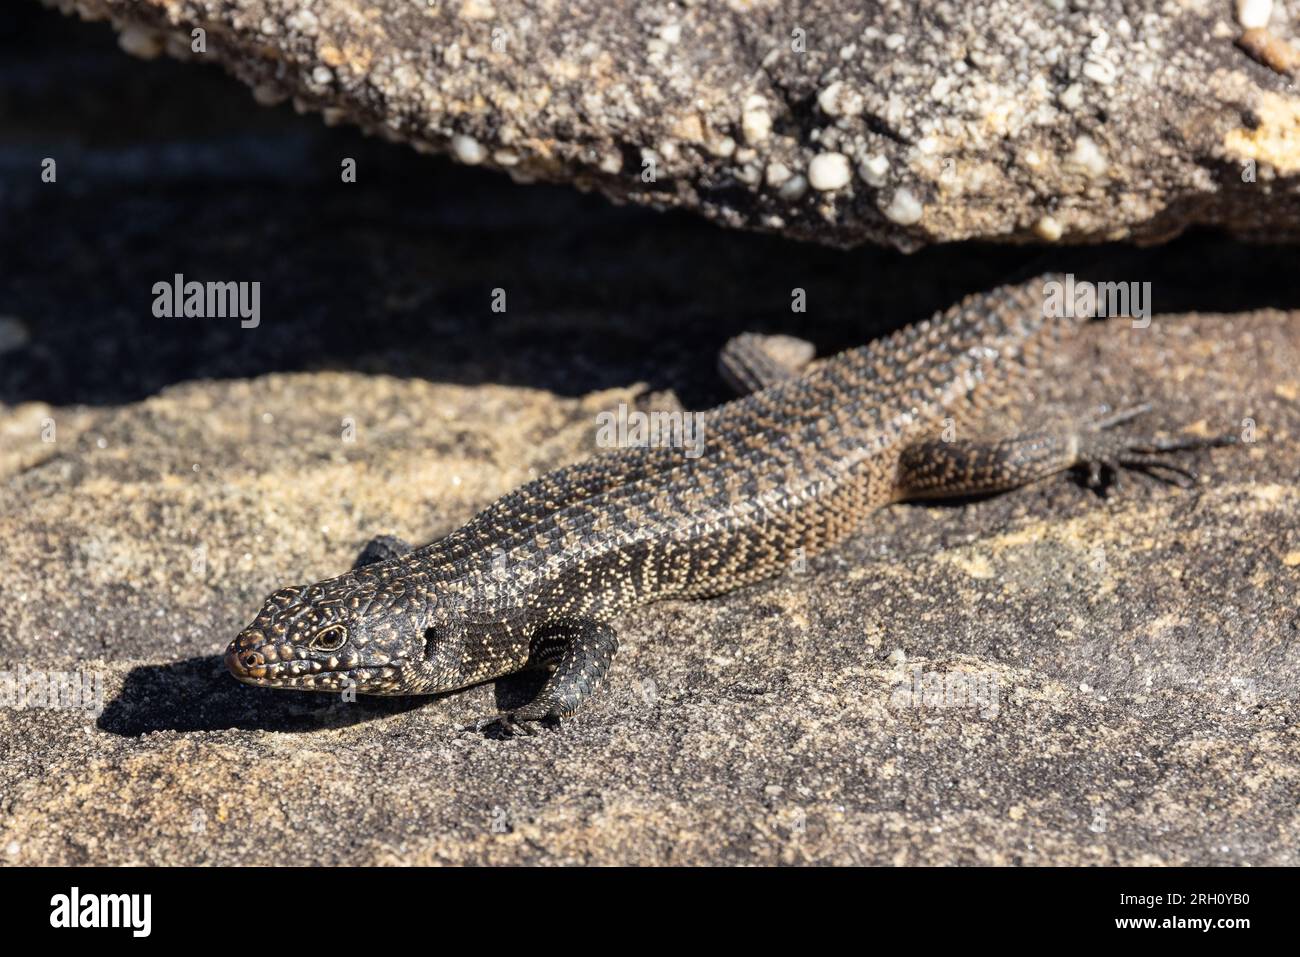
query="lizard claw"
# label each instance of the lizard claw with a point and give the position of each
(500, 726)
(1127, 414)
(1166, 472)
(1101, 475)
(1105, 457)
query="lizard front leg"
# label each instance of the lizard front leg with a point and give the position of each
(579, 653)
(382, 548)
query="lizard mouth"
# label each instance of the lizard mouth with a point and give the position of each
(371, 680)
(251, 667)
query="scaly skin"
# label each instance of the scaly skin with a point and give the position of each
(790, 470)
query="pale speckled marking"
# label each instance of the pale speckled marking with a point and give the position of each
(787, 471)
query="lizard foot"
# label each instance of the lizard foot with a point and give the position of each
(508, 725)
(1105, 455)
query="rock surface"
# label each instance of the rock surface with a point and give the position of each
(1131, 665)
(832, 120)
(1128, 669)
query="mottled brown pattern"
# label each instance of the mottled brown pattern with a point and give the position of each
(786, 472)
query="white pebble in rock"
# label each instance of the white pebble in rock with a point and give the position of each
(1100, 71)
(793, 188)
(1071, 97)
(1048, 229)
(722, 146)
(141, 41)
(1254, 14)
(467, 149)
(755, 121)
(874, 170)
(904, 209)
(777, 174)
(304, 22)
(1088, 157)
(840, 100)
(829, 171)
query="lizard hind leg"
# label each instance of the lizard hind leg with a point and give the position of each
(938, 469)
(934, 468)
(752, 362)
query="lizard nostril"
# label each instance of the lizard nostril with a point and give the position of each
(244, 662)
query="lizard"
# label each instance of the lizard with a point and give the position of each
(791, 468)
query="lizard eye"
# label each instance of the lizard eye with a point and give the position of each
(329, 639)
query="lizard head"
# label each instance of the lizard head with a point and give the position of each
(363, 633)
(346, 633)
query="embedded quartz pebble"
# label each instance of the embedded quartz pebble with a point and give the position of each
(836, 121)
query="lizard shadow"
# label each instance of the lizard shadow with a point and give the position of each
(197, 695)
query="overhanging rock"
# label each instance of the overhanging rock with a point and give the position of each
(838, 121)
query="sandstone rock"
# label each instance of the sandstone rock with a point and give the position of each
(1126, 669)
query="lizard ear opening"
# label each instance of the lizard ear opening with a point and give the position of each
(444, 644)
(434, 637)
